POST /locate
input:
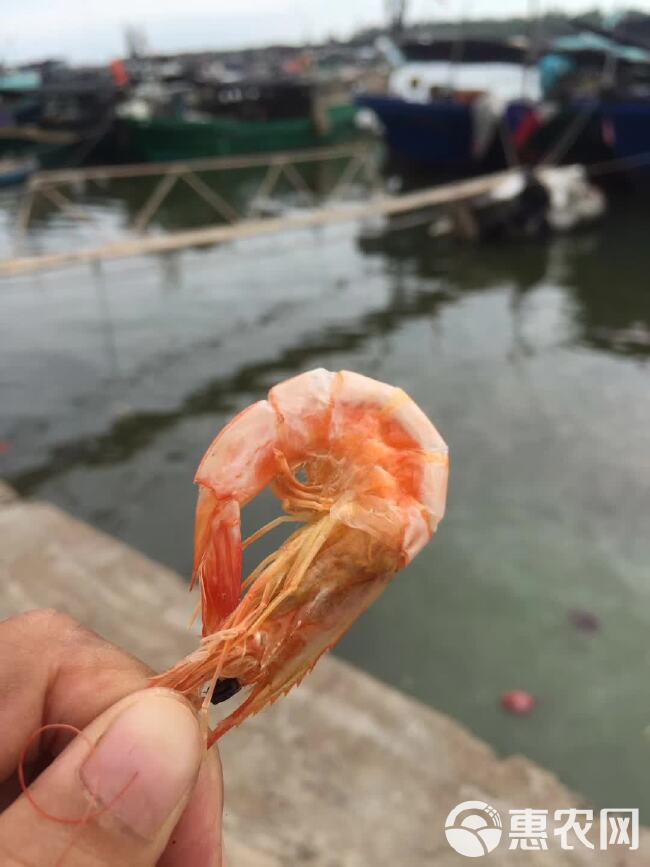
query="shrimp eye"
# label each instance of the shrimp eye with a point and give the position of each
(226, 687)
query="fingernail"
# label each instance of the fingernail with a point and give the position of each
(145, 763)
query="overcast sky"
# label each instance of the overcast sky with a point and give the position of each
(88, 30)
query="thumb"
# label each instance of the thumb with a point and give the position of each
(130, 774)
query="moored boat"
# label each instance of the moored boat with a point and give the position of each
(243, 116)
(445, 102)
(162, 139)
(55, 113)
(596, 101)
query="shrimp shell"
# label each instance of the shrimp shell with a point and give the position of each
(374, 488)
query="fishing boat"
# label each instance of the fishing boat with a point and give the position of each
(55, 114)
(445, 102)
(240, 117)
(162, 139)
(596, 100)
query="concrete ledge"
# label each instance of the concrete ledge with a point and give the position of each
(7, 494)
(344, 772)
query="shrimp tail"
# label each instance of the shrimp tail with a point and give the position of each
(217, 558)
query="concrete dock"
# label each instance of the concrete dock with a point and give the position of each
(344, 772)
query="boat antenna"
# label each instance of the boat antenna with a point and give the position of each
(535, 24)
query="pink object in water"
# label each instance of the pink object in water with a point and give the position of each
(518, 702)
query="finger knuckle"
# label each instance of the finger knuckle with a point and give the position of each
(50, 621)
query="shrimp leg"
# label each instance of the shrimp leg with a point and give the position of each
(294, 663)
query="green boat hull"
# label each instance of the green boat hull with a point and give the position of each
(163, 140)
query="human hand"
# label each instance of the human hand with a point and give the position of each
(138, 777)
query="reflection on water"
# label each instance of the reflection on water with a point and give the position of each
(604, 273)
(532, 359)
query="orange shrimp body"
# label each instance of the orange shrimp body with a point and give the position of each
(375, 481)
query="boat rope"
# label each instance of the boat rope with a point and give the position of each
(563, 144)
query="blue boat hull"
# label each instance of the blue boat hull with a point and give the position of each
(436, 135)
(630, 122)
(605, 130)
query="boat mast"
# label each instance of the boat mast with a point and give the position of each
(534, 15)
(395, 11)
(458, 45)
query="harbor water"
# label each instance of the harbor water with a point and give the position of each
(531, 358)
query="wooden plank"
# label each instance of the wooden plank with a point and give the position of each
(382, 206)
(132, 170)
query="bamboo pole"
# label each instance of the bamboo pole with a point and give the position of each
(294, 176)
(269, 181)
(154, 201)
(348, 174)
(94, 173)
(212, 197)
(56, 198)
(380, 206)
(24, 215)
